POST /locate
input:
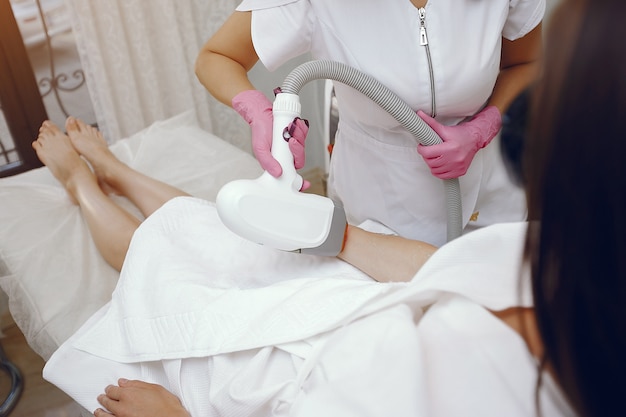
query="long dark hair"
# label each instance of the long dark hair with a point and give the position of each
(575, 174)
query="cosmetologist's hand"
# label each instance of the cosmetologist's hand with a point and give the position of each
(139, 399)
(452, 158)
(256, 109)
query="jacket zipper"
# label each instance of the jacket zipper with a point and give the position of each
(424, 42)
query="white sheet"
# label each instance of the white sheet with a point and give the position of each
(321, 341)
(49, 266)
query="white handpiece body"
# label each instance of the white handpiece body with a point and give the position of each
(272, 211)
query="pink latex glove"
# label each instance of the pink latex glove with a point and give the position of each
(256, 109)
(452, 158)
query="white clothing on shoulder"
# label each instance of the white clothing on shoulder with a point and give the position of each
(195, 310)
(375, 170)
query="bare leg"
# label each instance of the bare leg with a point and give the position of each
(148, 194)
(111, 227)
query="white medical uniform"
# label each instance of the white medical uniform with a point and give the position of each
(376, 171)
(194, 312)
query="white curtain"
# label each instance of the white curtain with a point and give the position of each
(138, 57)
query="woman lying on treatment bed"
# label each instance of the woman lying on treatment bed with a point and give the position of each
(187, 317)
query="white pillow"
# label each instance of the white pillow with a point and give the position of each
(49, 266)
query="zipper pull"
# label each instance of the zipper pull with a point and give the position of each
(423, 37)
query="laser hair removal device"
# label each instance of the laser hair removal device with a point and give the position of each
(272, 211)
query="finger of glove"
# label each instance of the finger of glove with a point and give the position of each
(268, 163)
(434, 125)
(297, 149)
(262, 130)
(444, 165)
(298, 130)
(305, 185)
(454, 168)
(435, 151)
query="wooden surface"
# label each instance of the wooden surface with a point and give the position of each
(39, 398)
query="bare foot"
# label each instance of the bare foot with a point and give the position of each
(91, 145)
(55, 150)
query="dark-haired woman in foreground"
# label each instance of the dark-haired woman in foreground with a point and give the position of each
(464, 355)
(575, 170)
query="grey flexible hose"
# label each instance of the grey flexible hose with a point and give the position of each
(17, 384)
(391, 103)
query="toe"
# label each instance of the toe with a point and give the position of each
(84, 127)
(70, 124)
(48, 127)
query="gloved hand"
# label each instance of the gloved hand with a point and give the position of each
(452, 158)
(256, 109)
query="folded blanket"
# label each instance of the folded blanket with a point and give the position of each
(235, 328)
